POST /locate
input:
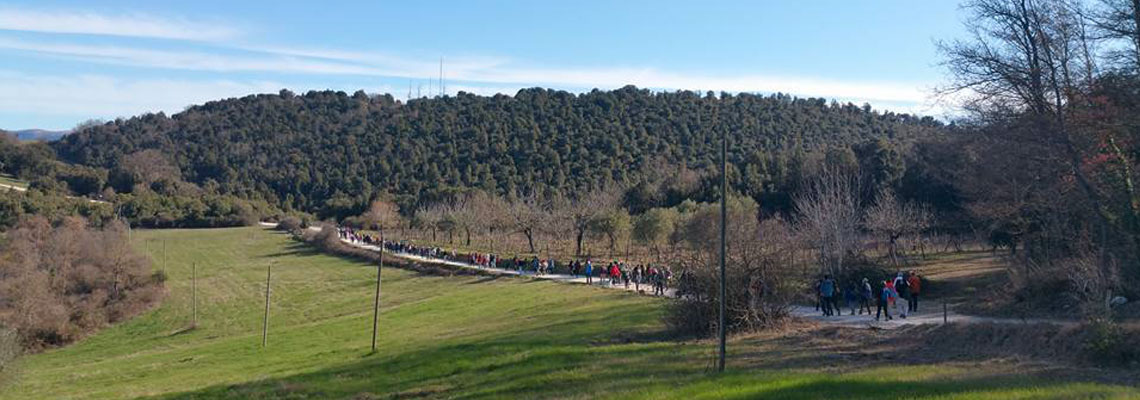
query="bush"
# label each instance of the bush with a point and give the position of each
(64, 282)
(9, 351)
(290, 224)
(1107, 343)
(763, 277)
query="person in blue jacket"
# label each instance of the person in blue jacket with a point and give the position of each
(827, 292)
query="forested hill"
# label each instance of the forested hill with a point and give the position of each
(329, 152)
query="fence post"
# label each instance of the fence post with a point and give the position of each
(265, 321)
(945, 314)
(194, 293)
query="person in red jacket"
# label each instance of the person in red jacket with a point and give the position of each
(915, 288)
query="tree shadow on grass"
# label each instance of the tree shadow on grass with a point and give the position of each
(823, 386)
(485, 279)
(295, 249)
(565, 359)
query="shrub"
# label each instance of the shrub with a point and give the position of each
(1107, 343)
(762, 273)
(290, 224)
(9, 351)
(61, 283)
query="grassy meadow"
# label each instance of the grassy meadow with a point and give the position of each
(444, 337)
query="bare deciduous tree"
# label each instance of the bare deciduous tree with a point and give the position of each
(828, 218)
(463, 212)
(895, 220)
(528, 214)
(430, 217)
(493, 214)
(579, 213)
(382, 215)
(1030, 67)
(1119, 20)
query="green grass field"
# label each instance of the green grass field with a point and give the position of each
(469, 337)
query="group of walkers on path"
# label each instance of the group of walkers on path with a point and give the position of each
(618, 273)
(901, 292)
(356, 237)
(614, 274)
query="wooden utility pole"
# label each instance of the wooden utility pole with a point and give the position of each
(723, 241)
(194, 293)
(376, 300)
(265, 321)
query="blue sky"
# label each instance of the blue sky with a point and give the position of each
(68, 61)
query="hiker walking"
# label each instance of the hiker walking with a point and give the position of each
(915, 284)
(902, 289)
(866, 296)
(637, 278)
(884, 301)
(851, 296)
(589, 271)
(826, 292)
(659, 282)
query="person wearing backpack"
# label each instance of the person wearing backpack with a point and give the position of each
(827, 293)
(866, 296)
(915, 284)
(902, 290)
(884, 301)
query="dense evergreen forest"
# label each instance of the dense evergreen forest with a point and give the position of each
(330, 153)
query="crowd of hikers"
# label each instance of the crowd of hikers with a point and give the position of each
(616, 273)
(356, 237)
(901, 293)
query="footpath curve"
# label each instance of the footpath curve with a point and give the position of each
(932, 311)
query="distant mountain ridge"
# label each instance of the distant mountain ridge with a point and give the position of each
(39, 134)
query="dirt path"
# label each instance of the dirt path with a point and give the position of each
(597, 282)
(13, 187)
(930, 311)
(4, 186)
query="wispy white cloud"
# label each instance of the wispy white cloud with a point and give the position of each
(98, 96)
(133, 25)
(483, 72)
(189, 60)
